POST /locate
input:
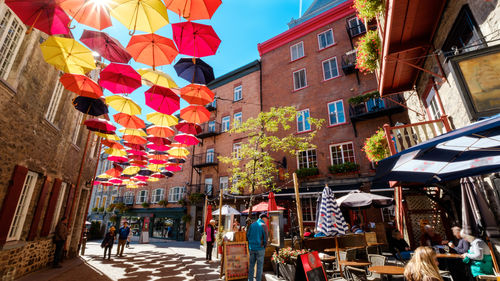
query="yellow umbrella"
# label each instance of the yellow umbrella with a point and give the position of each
(131, 170)
(178, 151)
(143, 15)
(155, 167)
(115, 152)
(161, 119)
(108, 136)
(123, 104)
(104, 176)
(132, 186)
(67, 55)
(153, 179)
(156, 77)
(133, 132)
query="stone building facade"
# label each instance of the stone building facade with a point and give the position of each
(43, 143)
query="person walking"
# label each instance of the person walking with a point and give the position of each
(129, 238)
(210, 231)
(423, 266)
(59, 239)
(257, 236)
(109, 240)
(123, 233)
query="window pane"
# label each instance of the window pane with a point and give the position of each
(300, 122)
(307, 125)
(340, 112)
(326, 69)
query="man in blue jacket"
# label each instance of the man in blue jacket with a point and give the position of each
(123, 233)
(257, 240)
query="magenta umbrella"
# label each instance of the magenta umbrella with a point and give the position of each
(187, 139)
(119, 159)
(136, 152)
(44, 15)
(158, 140)
(188, 128)
(158, 147)
(107, 46)
(194, 39)
(173, 167)
(100, 125)
(120, 78)
(162, 99)
(157, 161)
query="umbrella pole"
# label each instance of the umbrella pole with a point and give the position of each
(337, 253)
(34, 22)
(299, 207)
(220, 216)
(493, 257)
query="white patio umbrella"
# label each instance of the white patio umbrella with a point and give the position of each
(226, 211)
(359, 199)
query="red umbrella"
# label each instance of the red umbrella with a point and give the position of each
(111, 144)
(193, 9)
(173, 167)
(157, 161)
(81, 85)
(194, 39)
(159, 140)
(152, 49)
(160, 131)
(136, 152)
(134, 139)
(187, 139)
(197, 94)
(261, 207)
(154, 146)
(89, 12)
(119, 159)
(45, 15)
(107, 46)
(129, 121)
(106, 184)
(271, 205)
(138, 163)
(137, 158)
(208, 216)
(142, 178)
(195, 114)
(115, 181)
(162, 99)
(134, 146)
(158, 175)
(188, 128)
(115, 171)
(120, 78)
(100, 125)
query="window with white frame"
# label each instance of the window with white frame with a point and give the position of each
(104, 201)
(325, 39)
(330, 68)
(226, 121)
(297, 51)
(176, 193)
(209, 188)
(238, 119)
(141, 196)
(224, 184)
(97, 200)
(16, 227)
(12, 31)
(307, 159)
(433, 105)
(210, 156)
(299, 79)
(51, 113)
(59, 203)
(303, 124)
(342, 153)
(238, 93)
(77, 128)
(336, 112)
(211, 126)
(236, 150)
(308, 209)
(157, 195)
(356, 26)
(129, 197)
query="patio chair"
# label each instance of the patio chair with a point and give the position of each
(342, 255)
(446, 274)
(372, 250)
(351, 254)
(376, 260)
(356, 274)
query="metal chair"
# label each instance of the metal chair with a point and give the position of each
(351, 254)
(376, 260)
(372, 250)
(356, 274)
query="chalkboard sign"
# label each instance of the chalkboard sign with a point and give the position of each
(310, 268)
(236, 260)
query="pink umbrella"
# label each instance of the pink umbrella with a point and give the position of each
(137, 157)
(155, 161)
(187, 139)
(162, 99)
(188, 128)
(107, 46)
(194, 39)
(159, 140)
(116, 181)
(141, 178)
(119, 159)
(134, 146)
(136, 152)
(173, 167)
(158, 147)
(120, 78)
(45, 15)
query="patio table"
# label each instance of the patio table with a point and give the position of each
(388, 270)
(449, 256)
(355, 263)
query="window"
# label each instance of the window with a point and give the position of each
(213, 104)
(238, 119)
(336, 112)
(226, 120)
(464, 36)
(307, 159)
(330, 69)
(356, 26)
(297, 51)
(77, 128)
(238, 93)
(211, 126)
(157, 195)
(103, 203)
(209, 188)
(176, 193)
(51, 113)
(16, 227)
(299, 79)
(12, 32)
(303, 121)
(59, 203)
(342, 153)
(129, 197)
(308, 209)
(224, 184)
(325, 39)
(210, 155)
(141, 197)
(97, 200)
(236, 149)
(375, 104)
(432, 105)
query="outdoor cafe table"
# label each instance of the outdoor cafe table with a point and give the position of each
(453, 263)
(388, 270)
(355, 263)
(449, 256)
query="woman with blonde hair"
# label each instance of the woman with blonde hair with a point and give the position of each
(478, 257)
(423, 266)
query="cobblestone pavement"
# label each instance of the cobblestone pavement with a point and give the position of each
(172, 261)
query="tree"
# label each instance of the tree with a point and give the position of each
(253, 166)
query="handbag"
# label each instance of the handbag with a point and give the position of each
(203, 239)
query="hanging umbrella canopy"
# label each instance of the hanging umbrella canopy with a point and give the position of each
(136, 152)
(261, 207)
(197, 94)
(158, 175)
(159, 131)
(187, 139)
(100, 125)
(81, 85)
(226, 211)
(162, 99)
(131, 170)
(358, 199)
(137, 158)
(138, 163)
(132, 132)
(157, 77)
(168, 174)
(134, 146)
(159, 140)
(194, 70)
(153, 179)
(193, 9)
(107, 46)
(161, 119)
(119, 159)
(120, 78)
(129, 121)
(145, 172)
(173, 167)
(331, 222)
(195, 114)
(115, 171)
(194, 39)
(143, 15)
(90, 13)
(90, 106)
(188, 128)
(135, 139)
(158, 161)
(157, 147)
(112, 144)
(155, 167)
(67, 55)
(44, 15)
(158, 157)
(152, 49)
(115, 152)
(177, 160)
(104, 176)
(208, 216)
(123, 104)
(111, 137)
(178, 151)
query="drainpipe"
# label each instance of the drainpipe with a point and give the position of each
(260, 84)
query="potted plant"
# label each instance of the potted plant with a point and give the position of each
(120, 207)
(307, 172)
(182, 202)
(368, 9)
(196, 197)
(368, 50)
(101, 210)
(347, 168)
(286, 258)
(376, 147)
(94, 209)
(145, 205)
(163, 203)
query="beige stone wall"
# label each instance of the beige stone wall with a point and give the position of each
(34, 255)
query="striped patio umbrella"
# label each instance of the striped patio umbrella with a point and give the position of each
(331, 222)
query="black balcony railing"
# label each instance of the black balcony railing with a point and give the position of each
(211, 106)
(118, 199)
(209, 129)
(205, 159)
(207, 189)
(355, 29)
(376, 107)
(128, 200)
(349, 62)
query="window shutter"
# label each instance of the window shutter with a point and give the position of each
(39, 209)
(49, 215)
(69, 203)
(10, 201)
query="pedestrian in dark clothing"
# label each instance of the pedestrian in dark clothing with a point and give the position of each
(463, 246)
(398, 246)
(122, 238)
(108, 242)
(257, 236)
(59, 239)
(210, 231)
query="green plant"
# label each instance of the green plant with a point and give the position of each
(376, 147)
(121, 207)
(110, 208)
(101, 210)
(162, 203)
(145, 205)
(368, 50)
(182, 202)
(113, 218)
(368, 9)
(95, 209)
(196, 197)
(186, 218)
(287, 255)
(307, 172)
(363, 98)
(344, 168)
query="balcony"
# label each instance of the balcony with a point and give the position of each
(205, 159)
(207, 189)
(211, 106)
(128, 200)
(209, 129)
(376, 107)
(349, 62)
(118, 199)
(355, 29)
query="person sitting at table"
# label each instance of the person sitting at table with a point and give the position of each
(478, 256)
(431, 238)
(307, 232)
(463, 245)
(398, 246)
(423, 266)
(356, 228)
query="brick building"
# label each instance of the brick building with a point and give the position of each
(42, 145)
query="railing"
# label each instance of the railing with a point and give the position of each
(349, 62)
(205, 159)
(119, 199)
(128, 200)
(211, 106)
(355, 30)
(405, 136)
(209, 129)
(207, 189)
(375, 105)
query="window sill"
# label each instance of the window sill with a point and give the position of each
(303, 132)
(336, 125)
(76, 147)
(327, 47)
(10, 89)
(51, 125)
(329, 79)
(13, 245)
(235, 101)
(291, 61)
(297, 90)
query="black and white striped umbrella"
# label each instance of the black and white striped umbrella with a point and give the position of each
(331, 222)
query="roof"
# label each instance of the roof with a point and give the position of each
(317, 7)
(235, 74)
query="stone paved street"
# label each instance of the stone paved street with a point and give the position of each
(156, 261)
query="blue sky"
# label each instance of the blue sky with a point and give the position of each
(240, 24)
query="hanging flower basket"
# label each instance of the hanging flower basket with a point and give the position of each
(376, 147)
(368, 9)
(368, 52)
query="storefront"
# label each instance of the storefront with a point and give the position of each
(163, 223)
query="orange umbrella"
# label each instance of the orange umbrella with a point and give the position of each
(81, 85)
(88, 12)
(160, 131)
(158, 157)
(152, 49)
(195, 114)
(112, 144)
(129, 121)
(114, 172)
(197, 94)
(135, 139)
(193, 9)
